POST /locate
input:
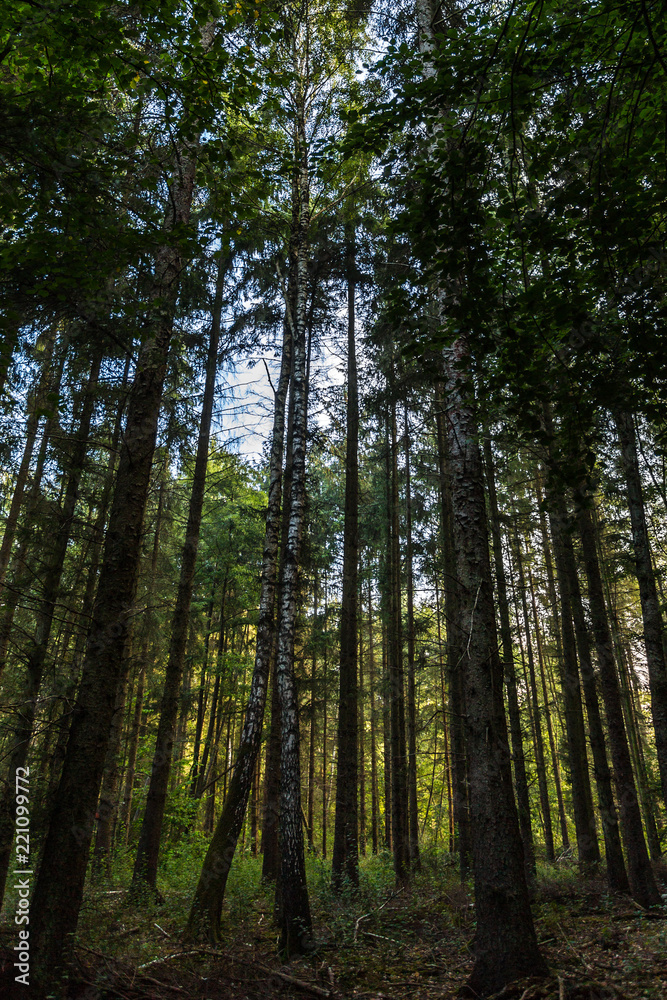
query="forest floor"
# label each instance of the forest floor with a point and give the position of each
(377, 944)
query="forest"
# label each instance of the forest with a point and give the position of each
(333, 499)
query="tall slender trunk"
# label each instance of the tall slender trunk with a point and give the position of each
(107, 806)
(457, 707)
(201, 700)
(313, 723)
(59, 887)
(413, 813)
(505, 945)
(386, 740)
(204, 918)
(551, 589)
(146, 861)
(520, 778)
(537, 720)
(21, 572)
(271, 825)
(371, 672)
(582, 799)
(362, 734)
(133, 746)
(642, 882)
(547, 717)
(445, 726)
(654, 628)
(399, 762)
(39, 642)
(325, 707)
(37, 399)
(293, 906)
(345, 859)
(271, 799)
(616, 873)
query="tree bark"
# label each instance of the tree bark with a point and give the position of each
(293, 906)
(39, 642)
(399, 763)
(520, 778)
(107, 806)
(642, 882)
(146, 861)
(457, 708)
(59, 886)
(345, 859)
(654, 628)
(204, 918)
(616, 873)
(413, 812)
(36, 401)
(505, 944)
(582, 800)
(374, 776)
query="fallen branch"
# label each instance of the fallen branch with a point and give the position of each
(375, 910)
(587, 967)
(123, 934)
(299, 983)
(383, 938)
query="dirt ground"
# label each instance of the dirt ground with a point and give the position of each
(415, 945)
(412, 945)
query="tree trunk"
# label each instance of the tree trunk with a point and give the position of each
(133, 746)
(386, 740)
(654, 630)
(399, 763)
(551, 587)
(520, 778)
(39, 642)
(460, 803)
(146, 862)
(293, 905)
(201, 700)
(345, 859)
(204, 918)
(59, 887)
(271, 801)
(107, 806)
(616, 873)
(374, 776)
(505, 944)
(22, 574)
(313, 726)
(270, 830)
(362, 735)
(642, 882)
(36, 402)
(582, 799)
(413, 812)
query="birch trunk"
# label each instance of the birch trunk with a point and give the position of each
(204, 918)
(293, 905)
